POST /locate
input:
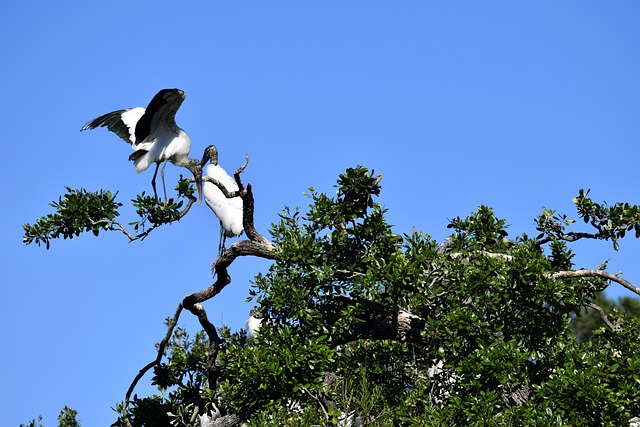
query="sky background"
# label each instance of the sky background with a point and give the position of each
(516, 105)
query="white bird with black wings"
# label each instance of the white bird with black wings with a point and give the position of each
(228, 210)
(154, 135)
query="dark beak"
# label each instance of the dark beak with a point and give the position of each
(199, 188)
(197, 176)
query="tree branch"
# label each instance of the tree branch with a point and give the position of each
(597, 273)
(572, 236)
(379, 322)
(238, 171)
(257, 245)
(214, 339)
(604, 317)
(444, 246)
(560, 274)
(116, 226)
(161, 349)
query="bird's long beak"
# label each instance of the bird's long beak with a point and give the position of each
(196, 170)
(198, 179)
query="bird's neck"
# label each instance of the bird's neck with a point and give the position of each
(188, 163)
(166, 117)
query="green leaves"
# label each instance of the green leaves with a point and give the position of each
(397, 328)
(496, 320)
(151, 210)
(76, 212)
(80, 211)
(274, 374)
(481, 229)
(182, 381)
(610, 222)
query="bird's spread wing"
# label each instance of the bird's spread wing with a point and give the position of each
(121, 122)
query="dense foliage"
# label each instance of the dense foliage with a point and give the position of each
(361, 325)
(495, 348)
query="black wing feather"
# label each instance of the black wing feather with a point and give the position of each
(113, 122)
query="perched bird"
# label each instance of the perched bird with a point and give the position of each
(228, 210)
(154, 135)
(254, 321)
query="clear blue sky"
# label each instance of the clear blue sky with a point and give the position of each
(515, 105)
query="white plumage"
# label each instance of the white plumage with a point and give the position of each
(228, 210)
(253, 322)
(154, 135)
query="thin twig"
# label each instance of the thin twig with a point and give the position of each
(161, 349)
(116, 226)
(241, 169)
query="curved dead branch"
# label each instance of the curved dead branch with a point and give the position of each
(256, 245)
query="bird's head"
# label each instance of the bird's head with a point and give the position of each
(167, 100)
(210, 155)
(173, 95)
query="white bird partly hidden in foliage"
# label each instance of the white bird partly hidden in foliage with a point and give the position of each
(228, 210)
(254, 321)
(154, 135)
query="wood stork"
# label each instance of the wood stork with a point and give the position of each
(254, 321)
(228, 210)
(154, 135)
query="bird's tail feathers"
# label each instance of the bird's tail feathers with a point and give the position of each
(140, 159)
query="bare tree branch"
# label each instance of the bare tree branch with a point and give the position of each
(560, 274)
(161, 349)
(444, 246)
(214, 339)
(256, 245)
(467, 257)
(603, 316)
(597, 273)
(238, 171)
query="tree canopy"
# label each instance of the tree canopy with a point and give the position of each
(362, 326)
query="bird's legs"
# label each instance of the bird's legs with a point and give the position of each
(221, 248)
(164, 188)
(153, 181)
(223, 239)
